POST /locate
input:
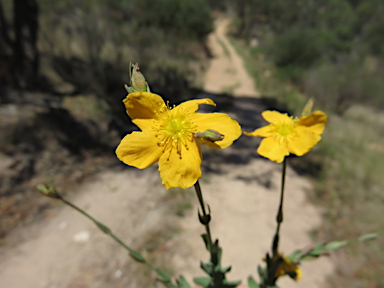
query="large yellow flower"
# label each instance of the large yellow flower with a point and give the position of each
(286, 135)
(167, 137)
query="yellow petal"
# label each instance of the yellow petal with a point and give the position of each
(144, 124)
(221, 123)
(261, 132)
(303, 142)
(139, 149)
(273, 150)
(276, 117)
(144, 105)
(315, 121)
(181, 172)
(193, 105)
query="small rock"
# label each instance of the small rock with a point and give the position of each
(118, 273)
(81, 237)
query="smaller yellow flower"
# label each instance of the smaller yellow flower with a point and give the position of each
(285, 135)
(286, 267)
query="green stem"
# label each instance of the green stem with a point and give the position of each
(279, 216)
(205, 215)
(136, 255)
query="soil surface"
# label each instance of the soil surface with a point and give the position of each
(66, 250)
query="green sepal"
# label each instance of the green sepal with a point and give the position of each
(182, 282)
(202, 281)
(207, 267)
(165, 278)
(130, 90)
(137, 256)
(252, 283)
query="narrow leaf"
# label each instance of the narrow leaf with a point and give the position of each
(252, 283)
(206, 241)
(164, 276)
(202, 281)
(182, 282)
(231, 283)
(261, 273)
(102, 227)
(367, 237)
(294, 256)
(335, 245)
(137, 256)
(226, 269)
(207, 267)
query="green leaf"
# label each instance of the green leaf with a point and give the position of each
(206, 241)
(252, 283)
(367, 237)
(182, 282)
(202, 281)
(317, 250)
(307, 257)
(207, 267)
(137, 256)
(261, 273)
(294, 256)
(102, 227)
(334, 245)
(164, 276)
(226, 269)
(231, 283)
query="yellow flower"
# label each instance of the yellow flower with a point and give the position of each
(286, 135)
(167, 137)
(286, 267)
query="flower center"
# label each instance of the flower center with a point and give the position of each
(285, 130)
(174, 129)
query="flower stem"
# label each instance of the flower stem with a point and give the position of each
(205, 219)
(279, 216)
(166, 279)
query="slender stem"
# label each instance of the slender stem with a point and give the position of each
(205, 215)
(279, 216)
(103, 227)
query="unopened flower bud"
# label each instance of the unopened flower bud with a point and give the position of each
(307, 108)
(209, 135)
(137, 79)
(49, 191)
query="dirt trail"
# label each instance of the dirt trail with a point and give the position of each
(66, 250)
(227, 72)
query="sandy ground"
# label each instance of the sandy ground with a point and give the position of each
(66, 250)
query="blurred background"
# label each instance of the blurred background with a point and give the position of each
(64, 63)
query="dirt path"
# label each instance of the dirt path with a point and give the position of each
(67, 251)
(227, 72)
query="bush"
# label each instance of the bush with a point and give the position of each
(297, 48)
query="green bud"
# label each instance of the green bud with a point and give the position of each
(209, 135)
(49, 191)
(137, 79)
(307, 108)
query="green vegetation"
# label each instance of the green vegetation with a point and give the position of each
(331, 49)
